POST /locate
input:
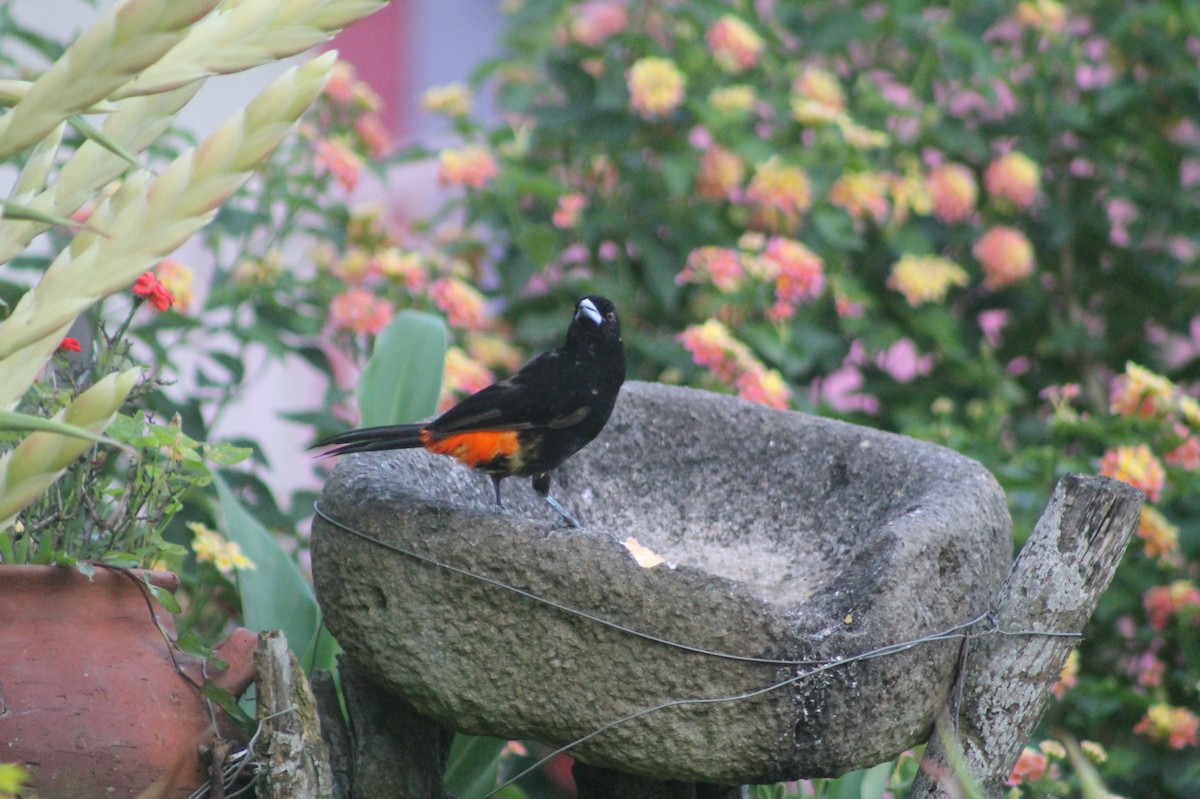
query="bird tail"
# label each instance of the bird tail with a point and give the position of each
(373, 439)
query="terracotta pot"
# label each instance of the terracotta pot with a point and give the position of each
(90, 701)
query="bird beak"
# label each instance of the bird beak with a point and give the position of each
(588, 308)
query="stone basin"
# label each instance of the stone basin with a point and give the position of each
(792, 543)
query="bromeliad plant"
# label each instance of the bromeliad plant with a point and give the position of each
(63, 498)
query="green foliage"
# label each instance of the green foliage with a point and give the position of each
(403, 376)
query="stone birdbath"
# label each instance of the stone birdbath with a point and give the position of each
(801, 558)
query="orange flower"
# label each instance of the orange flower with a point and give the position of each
(779, 196)
(656, 87)
(1175, 726)
(1006, 255)
(764, 386)
(463, 305)
(473, 167)
(1140, 392)
(734, 44)
(1013, 178)
(1047, 16)
(1161, 538)
(70, 344)
(340, 86)
(925, 278)
(340, 161)
(359, 311)
(714, 347)
(1031, 767)
(1136, 466)
(721, 173)
(953, 189)
(721, 265)
(149, 287)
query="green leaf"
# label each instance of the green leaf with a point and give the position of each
(473, 766)
(164, 597)
(404, 374)
(108, 143)
(227, 702)
(875, 781)
(275, 595)
(13, 420)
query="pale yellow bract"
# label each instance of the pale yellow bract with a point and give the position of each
(139, 64)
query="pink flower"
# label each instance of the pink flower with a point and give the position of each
(472, 167)
(721, 174)
(1175, 726)
(374, 134)
(592, 23)
(992, 323)
(903, 362)
(656, 87)
(1121, 212)
(840, 390)
(359, 311)
(714, 347)
(721, 265)
(734, 44)
(340, 161)
(953, 190)
(1031, 767)
(1006, 255)
(570, 207)
(1014, 178)
(463, 305)
(799, 273)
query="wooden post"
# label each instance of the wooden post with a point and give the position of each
(290, 745)
(1007, 674)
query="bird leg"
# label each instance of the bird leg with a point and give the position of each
(541, 484)
(496, 483)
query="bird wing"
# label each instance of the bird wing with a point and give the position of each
(533, 398)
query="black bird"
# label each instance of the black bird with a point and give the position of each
(528, 424)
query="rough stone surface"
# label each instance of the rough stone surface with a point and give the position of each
(791, 537)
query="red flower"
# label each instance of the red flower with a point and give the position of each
(71, 344)
(150, 287)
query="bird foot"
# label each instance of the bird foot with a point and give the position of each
(566, 514)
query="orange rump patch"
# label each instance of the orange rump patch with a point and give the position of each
(473, 449)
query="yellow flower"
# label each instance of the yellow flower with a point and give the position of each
(452, 100)
(1069, 677)
(862, 194)
(925, 278)
(779, 195)
(817, 97)
(721, 173)
(1014, 179)
(180, 281)
(656, 87)
(1161, 538)
(1136, 466)
(473, 167)
(1140, 392)
(211, 547)
(737, 99)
